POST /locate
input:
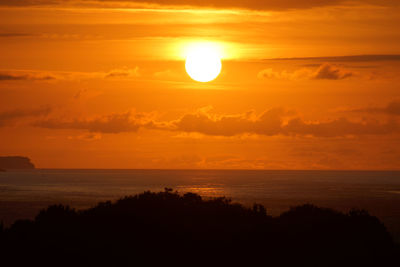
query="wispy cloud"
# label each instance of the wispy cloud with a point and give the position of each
(392, 108)
(352, 58)
(9, 117)
(325, 71)
(86, 137)
(14, 34)
(123, 73)
(43, 75)
(25, 77)
(243, 4)
(113, 123)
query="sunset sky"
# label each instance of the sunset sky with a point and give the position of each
(311, 84)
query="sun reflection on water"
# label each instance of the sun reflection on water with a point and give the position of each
(205, 191)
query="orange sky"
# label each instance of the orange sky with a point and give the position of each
(102, 84)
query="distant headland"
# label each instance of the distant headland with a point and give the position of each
(15, 162)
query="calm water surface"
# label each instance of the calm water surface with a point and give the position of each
(24, 193)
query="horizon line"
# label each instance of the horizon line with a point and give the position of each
(212, 169)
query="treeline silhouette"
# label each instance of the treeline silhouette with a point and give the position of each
(170, 229)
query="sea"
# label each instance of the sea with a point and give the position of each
(24, 193)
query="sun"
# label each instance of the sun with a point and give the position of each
(203, 62)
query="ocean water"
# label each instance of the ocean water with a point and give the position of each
(24, 193)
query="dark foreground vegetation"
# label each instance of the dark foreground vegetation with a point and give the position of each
(166, 228)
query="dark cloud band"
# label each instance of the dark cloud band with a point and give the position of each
(245, 4)
(270, 123)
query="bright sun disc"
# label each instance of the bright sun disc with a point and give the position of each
(203, 63)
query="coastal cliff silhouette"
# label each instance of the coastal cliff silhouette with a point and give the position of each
(167, 228)
(15, 162)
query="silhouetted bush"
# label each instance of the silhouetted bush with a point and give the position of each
(167, 228)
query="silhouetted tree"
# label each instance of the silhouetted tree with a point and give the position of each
(149, 228)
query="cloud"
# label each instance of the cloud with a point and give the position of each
(325, 71)
(272, 122)
(248, 4)
(300, 74)
(28, 2)
(268, 123)
(243, 4)
(353, 58)
(123, 73)
(14, 34)
(9, 117)
(85, 94)
(86, 137)
(10, 77)
(338, 128)
(42, 75)
(166, 74)
(329, 72)
(392, 108)
(113, 123)
(25, 77)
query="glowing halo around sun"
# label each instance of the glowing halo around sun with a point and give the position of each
(203, 62)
